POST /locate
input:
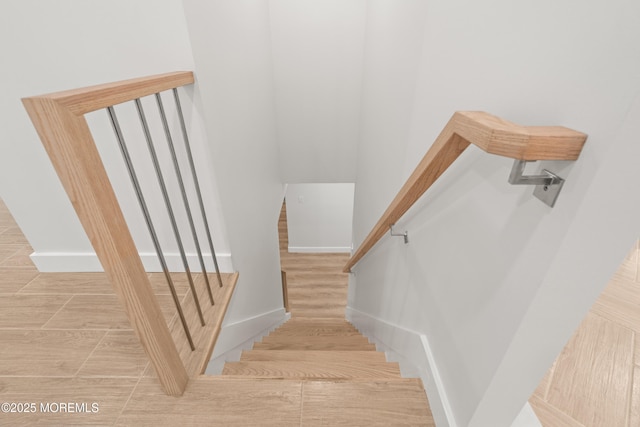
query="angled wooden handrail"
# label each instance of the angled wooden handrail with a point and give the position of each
(492, 134)
(60, 123)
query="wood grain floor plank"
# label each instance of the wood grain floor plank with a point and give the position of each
(13, 236)
(110, 395)
(119, 354)
(99, 312)
(70, 283)
(599, 346)
(13, 280)
(331, 370)
(620, 302)
(6, 220)
(45, 353)
(29, 311)
(215, 401)
(20, 259)
(7, 251)
(97, 283)
(365, 403)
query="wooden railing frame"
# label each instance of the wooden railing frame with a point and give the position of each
(490, 133)
(60, 123)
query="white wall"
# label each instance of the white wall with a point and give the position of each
(72, 43)
(319, 217)
(231, 47)
(496, 280)
(392, 55)
(317, 58)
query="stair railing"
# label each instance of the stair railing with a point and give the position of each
(59, 119)
(493, 135)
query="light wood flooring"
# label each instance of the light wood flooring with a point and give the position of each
(65, 337)
(595, 381)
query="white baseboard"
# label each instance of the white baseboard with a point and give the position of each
(411, 350)
(319, 250)
(241, 335)
(88, 262)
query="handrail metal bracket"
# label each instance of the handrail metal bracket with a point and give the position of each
(405, 234)
(548, 185)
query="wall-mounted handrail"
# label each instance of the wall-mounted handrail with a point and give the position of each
(60, 123)
(490, 133)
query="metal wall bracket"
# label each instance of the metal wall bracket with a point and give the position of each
(405, 235)
(548, 185)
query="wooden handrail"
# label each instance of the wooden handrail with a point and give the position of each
(60, 123)
(493, 135)
(92, 98)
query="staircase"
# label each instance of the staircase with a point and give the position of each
(343, 377)
(314, 349)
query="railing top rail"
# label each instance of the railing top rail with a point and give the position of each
(92, 98)
(490, 133)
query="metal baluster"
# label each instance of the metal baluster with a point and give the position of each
(147, 219)
(167, 202)
(176, 166)
(197, 185)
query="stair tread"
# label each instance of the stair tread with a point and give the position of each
(318, 331)
(318, 321)
(310, 345)
(370, 403)
(413, 382)
(333, 313)
(305, 262)
(288, 337)
(323, 301)
(311, 295)
(322, 274)
(311, 355)
(314, 370)
(317, 285)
